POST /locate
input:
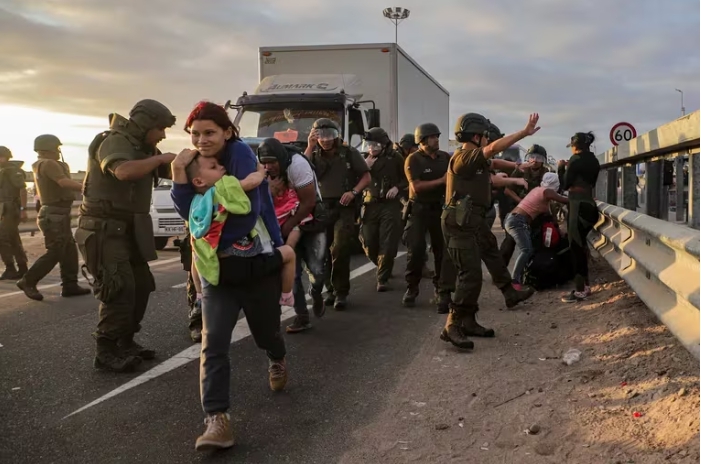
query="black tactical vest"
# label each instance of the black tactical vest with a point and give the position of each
(477, 184)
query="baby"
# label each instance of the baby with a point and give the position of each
(203, 173)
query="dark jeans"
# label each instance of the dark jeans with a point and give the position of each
(580, 253)
(311, 249)
(259, 297)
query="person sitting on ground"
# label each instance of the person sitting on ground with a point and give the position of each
(518, 221)
(219, 194)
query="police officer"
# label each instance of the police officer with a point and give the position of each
(115, 233)
(13, 201)
(382, 210)
(469, 241)
(342, 174)
(425, 169)
(52, 178)
(406, 145)
(534, 172)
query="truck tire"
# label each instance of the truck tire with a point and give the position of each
(161, 242)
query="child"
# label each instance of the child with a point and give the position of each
(218, 195)
(286, 204)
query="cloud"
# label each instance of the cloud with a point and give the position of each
(582, 66)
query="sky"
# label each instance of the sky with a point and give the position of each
(66, 64)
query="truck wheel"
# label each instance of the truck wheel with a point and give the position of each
(161, 242)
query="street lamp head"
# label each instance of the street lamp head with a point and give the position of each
(395, 13)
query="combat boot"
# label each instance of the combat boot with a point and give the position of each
(453, 333)
(73, 289)
(470, 326)
(409, 298)
(130, 348)
(108, 357)
(382, 287)
(11, 273)
(29, 289)
(512, 297)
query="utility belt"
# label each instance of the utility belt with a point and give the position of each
(138, 228)
(58, 210)
(463, 208)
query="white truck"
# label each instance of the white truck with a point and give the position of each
(358, 86)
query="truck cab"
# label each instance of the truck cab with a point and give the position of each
(285, 107)
(166, 221)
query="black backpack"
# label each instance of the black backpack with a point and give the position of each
(548, 267)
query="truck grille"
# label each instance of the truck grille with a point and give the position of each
(170, 222)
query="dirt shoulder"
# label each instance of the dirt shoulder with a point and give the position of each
(632, 398)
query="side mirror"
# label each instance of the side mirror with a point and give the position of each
(373, 118)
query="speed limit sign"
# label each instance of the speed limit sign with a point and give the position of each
(622, 132)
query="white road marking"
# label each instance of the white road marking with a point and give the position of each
(182, 285)
(42, 287)
(192, 353)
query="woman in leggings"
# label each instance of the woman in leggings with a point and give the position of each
(249, 276)
(580, 180)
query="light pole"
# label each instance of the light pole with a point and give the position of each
(682, 94)
(396, 14)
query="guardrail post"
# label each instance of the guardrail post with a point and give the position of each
(612, 186)
(694, 190)
(653, 190)
(629, 191)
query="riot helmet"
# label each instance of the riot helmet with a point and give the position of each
(151, 114)
(326, 129)
(47, 142)
(470, 124)
(271, 150)
(537, 153)
(424, 131)
(5, 153)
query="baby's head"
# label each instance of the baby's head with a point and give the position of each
(203, 172)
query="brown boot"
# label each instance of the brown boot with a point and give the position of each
(512, 297)
(452, 332)
(277, 374)
(218, 435)
(472, 328)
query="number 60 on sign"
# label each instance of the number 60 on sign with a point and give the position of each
(622, 132)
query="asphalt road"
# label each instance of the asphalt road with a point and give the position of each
(340, 375)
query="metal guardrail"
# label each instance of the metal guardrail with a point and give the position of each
(659, 260)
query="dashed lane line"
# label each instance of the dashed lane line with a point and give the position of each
(192, 353)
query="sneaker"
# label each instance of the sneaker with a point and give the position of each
(218, 434)
(277, 371)
(574, 297)
(299, 324)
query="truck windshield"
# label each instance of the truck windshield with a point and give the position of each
(285, 124)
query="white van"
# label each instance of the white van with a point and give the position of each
(166, 222)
